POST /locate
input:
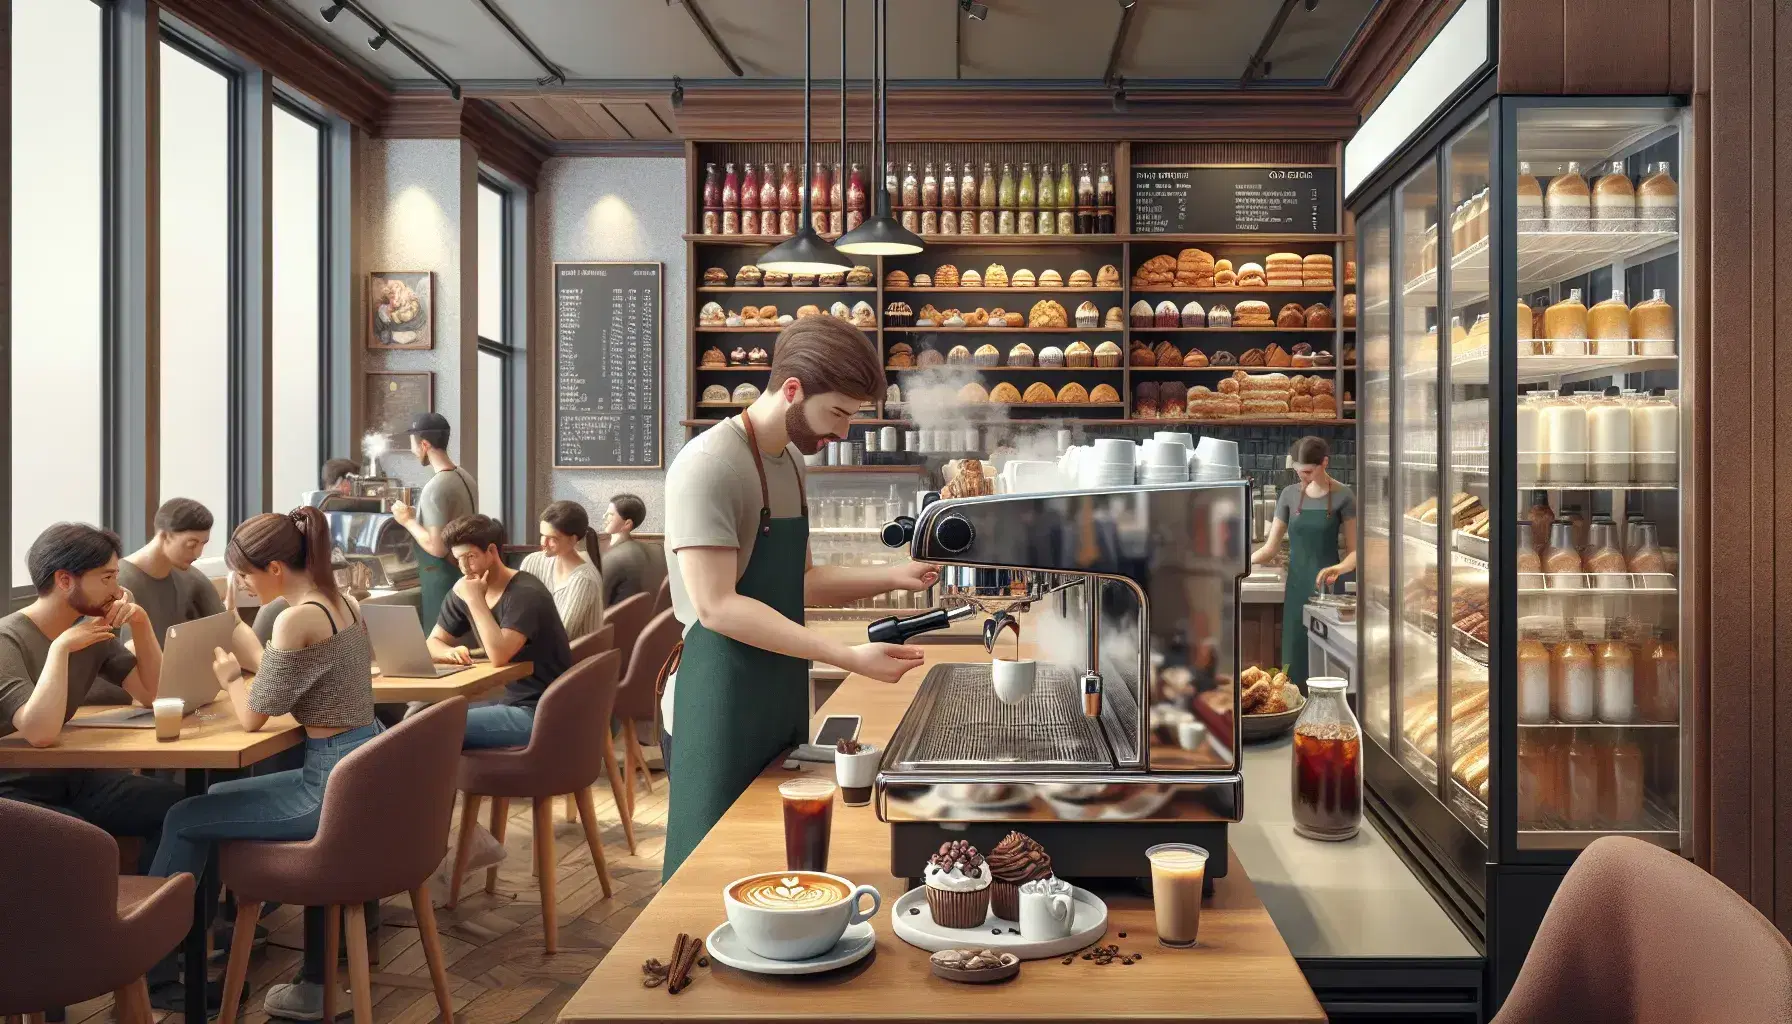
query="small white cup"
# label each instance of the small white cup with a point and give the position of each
(1169, 454)
(1014, 679)
(1191, 734)
(1047, 910)
(168, 712)
(1185, 440)
(856, 773)
(1115, 449)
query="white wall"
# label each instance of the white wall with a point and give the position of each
(613, 208)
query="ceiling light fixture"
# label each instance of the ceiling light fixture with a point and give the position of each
(977, 11)
(1127, 4)
(806, 252)
(377, 41)
(1119, 95)
(329, 13)
(677, 93)
(881, 235)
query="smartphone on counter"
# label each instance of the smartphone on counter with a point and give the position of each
(834, 728)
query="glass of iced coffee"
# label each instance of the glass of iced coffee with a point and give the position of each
(1178, 872)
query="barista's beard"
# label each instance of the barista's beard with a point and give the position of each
(806, 438)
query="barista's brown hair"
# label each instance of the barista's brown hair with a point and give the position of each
(300, 540)
(824, 354)
(570, 518)
(1310, 451)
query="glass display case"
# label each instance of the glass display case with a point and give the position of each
(1522, 489)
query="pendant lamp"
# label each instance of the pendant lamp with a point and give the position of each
(881, 235)
(806, 252)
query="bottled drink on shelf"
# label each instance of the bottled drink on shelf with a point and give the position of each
(1616, 672)
(1328, 764)
(1658, 681)
(1572, 679)
(1533, 682)
(1584, 759)
(1620, 783)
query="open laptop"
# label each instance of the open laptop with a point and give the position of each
(398, 645)
(186, 670)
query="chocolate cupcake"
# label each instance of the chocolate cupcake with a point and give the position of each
(1016, 860)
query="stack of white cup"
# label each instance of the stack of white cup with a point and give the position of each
(1216, 459)
(1163, 461)
(1109, 462)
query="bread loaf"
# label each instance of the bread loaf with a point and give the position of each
(1144, 400)
(1249, 313)
(1104, 394)
(1318, 315)
(1140, 354)
(970, 279)
(1081, 279)
(1291, 315)
(945, 276)
(1276, 355)
(1168, 354)
(1005, 394)
(1073, 393)
(973, 393)
(1195, 358)
(1107, 277)
(1039, 393)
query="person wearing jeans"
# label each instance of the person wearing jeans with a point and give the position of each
(513, 615)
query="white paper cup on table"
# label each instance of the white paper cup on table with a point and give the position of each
(168, 711)
(1178, 874)
(1014, 679)
(856, 773)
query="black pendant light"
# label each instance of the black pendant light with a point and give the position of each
(881, 235)
(806, 252)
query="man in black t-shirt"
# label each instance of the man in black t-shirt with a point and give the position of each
(513, 615)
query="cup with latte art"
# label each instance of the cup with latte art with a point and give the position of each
(795, 915)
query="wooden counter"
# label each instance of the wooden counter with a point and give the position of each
(1241, 972)
(210, 738)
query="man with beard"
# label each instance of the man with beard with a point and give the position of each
(449, 494)
(56, 648)
(737, 527)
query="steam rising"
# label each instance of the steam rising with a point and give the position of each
(931, 399)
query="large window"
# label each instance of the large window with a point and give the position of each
(196, 193)
(298, 285)
(58, 269)
(495, 353)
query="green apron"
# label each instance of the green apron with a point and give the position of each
(736, 707)
(1312, 546)
(436, 577)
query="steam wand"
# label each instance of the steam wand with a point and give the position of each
(897, 630)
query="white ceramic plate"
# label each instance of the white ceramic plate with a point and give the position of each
(1089, 923)
(855, 945)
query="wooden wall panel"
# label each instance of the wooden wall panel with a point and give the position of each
(1680, 46)
(1530, 46)
(1615, 46)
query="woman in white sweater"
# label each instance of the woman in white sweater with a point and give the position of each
(577, 585)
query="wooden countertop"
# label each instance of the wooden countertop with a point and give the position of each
(210, 738)
(1241, 972)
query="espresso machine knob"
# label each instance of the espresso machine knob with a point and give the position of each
(953, 534)
(899, 533)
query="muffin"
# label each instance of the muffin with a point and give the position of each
(1140, 354)
(858, 277)
(1104, 394)
(896, 279)
(774, 278)
(712, 356)
(996, 276)
(1052, 357)
(1077, 355)
(749, 276)
(716, 394)
(1088, 316)
(715, 276)
(1050, 279)
(945, 276)
(899, 314)
(970, 279)
(1081, 279)
(1073, 394)
(759, 357)
(958, 355)
(1108, 276)
(1114, 320)
(973, 393)
(1021, 355)
(737, 356)
(929, 358)
(987, 355)
(1005, 394)
(1193, 315)
(1167, 315)
(957, 882)
(746, 393)
(1219, 316)
(1141, 314)
(1039, 393)
(1016, 860)
(1107, 354)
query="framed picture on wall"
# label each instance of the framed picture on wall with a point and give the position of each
(401, 306)
(394, 399)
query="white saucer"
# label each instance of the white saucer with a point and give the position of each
(855, 945)
(1089, 924)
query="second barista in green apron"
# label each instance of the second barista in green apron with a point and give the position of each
(449, 494)
(1318, 515)
(737, 537)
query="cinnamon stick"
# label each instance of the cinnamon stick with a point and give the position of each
(681, 966)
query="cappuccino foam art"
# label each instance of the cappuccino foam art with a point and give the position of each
(789, 891)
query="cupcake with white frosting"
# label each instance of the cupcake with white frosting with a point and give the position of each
(957, 882)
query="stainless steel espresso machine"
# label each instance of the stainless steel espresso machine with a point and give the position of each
(1133, 595)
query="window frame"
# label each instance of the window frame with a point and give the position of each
(512, 351)
(328, 291)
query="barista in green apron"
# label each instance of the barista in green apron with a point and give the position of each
(1318, 515)
(448, 495)
(740, 695)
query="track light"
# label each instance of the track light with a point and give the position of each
(330, 12)
(977, 11)
(1126, 5)
(1120, 96)
(677, 93)
(377, 41)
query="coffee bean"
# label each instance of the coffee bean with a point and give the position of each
(1088, 956)
(1127, 962)
(995, 931)
(1068, 959)
(914, 910)
(1014, 931)
(1123, 935)
(703, 961)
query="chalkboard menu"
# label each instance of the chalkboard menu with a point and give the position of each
(607, 358)
(1234, 200)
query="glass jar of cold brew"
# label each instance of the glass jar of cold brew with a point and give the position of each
(1328, 764)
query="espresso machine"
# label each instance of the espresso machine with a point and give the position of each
(1132, 597)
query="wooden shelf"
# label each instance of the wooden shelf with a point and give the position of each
(908, 469)
(779, 289)
(1086, 422)
(1243, 238)
(1233, 330)
(734, 369)
(1009, 369)
(1020, 240)
(1315, 289)
(1237, 421)
(1237, 238)
(1011, 291)
(1303, 370)
(742, 330)
(1004, 330)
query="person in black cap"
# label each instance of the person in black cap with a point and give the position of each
(448, 495)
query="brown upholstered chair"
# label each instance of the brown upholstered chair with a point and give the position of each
(74, 927)
(628, 615)
(594, 643)
(560, 758)
(383, 830)
(662, 599)
(637, 701)
(1637, 934)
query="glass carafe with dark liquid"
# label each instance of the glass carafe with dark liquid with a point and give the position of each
(1328, 764)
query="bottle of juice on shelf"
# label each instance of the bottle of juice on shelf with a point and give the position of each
(1104, 201)
(967, 202)
(1538, 761)
(1565, 325)
(1652, 327)
(837, 201)
(1655, 439)
(1562, 563)
(930, 200)
(821, 186)
(1609, 448)
(1542, 517)
(749, 200)
(790, 200)
(1048, 199)
(856, 199)
(1658, 681)
(1568, 202)
(731, 201)
(1027, 202)
(1562, 438)
(1530, 199)
(1608, 327)
(1583, 781)
(1620, 782)
(948, 188)
(1533, 682)
(1007, 199)
(1614, 201)
(1615, 669)
(1066, 200)
(911, 186)
(768, 200)
(1658, 201)
(712, 200)
(988, 194)
(1571, 672)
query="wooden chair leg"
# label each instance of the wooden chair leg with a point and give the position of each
(544, 861)
(131, 1004)
(332, 950)
(360, 980)
(634, 754)
(571, 814)
(469, 820)
(588, 815)
(625, 800)
(432, 950)
(34, 1018)
(500, 823)
(242, 940)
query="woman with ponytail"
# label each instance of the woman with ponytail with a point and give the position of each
(577, 585)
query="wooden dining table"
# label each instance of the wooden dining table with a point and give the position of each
(472, 683)
(210, 740)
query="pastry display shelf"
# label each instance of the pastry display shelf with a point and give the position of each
(1598, 584)
(779, 289)
(1598, 725)
(1004, 330)
(1468, 550)
(1005, 369)
(773, 329)
(1033, 240)
(1532, 369)
(1234, 330)
(1007, 406)
(1313, 289)
(1657, 828)
(1545, 257)
(986, 290)
(1302, 370)
(760, 368)
(1463, 647)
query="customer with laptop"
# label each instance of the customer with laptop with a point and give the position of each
(514, 617)
(161, 577)
(577, 584)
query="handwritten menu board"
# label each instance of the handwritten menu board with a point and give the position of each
(607, 357)
(1234, 200)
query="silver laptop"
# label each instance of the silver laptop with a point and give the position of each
(398, 645)
(186, 670)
